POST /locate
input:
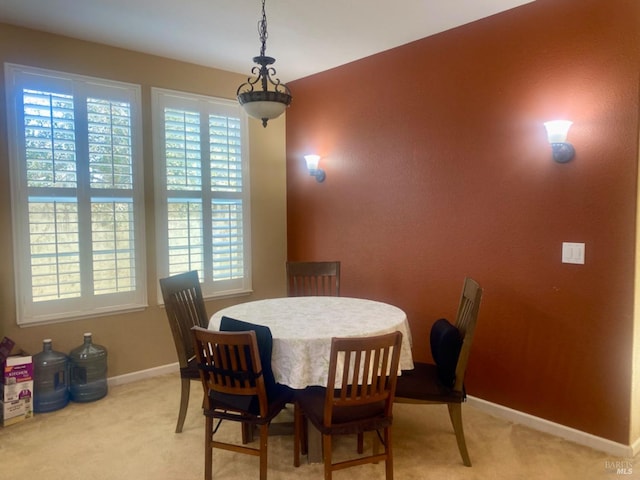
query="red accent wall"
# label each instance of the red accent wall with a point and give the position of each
(438, 168)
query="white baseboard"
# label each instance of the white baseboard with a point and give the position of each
(562, 431)
(635, 447)
(142, 374)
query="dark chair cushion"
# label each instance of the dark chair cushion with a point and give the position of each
(346, 420)
(446, 343)
(277, 398)
(423, 383)
(265, 347)
(264, 339)
(191, 370)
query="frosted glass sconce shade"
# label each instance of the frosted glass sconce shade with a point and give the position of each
(312, 166)
(557, 131)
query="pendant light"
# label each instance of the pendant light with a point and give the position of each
(270, 98)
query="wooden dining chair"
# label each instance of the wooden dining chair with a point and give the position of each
(362, 402)
(234, 387)
(443, 381)
(184, 306)
(313, 278)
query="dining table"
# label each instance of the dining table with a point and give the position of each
(302, 329)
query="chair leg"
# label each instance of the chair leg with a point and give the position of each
(264, 438)
(360, 442)
(208, 448)
(455, 413)
(388, 463)
(184, 403)
(300, 435)
(247, 433)
(305, 435)
(297, 435)
(376, 444)
(327, 451)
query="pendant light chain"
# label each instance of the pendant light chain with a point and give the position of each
(262, 30)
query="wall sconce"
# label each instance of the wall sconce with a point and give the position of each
(557, 130)
(312, 166)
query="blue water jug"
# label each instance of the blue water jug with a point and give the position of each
(50, 379)
(88, 371)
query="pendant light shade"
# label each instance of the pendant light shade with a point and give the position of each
(263, 96)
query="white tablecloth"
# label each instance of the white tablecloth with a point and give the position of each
(302, 328)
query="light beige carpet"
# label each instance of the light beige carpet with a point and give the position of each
(129, 434)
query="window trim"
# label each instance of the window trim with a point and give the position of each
(38, 313)
(161, 98)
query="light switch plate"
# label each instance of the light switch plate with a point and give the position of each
(573, 253)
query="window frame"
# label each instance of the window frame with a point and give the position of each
(81, 87)
(205, 105)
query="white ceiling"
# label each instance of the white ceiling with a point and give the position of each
(305, 36)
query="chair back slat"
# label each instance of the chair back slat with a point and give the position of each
(313, 279)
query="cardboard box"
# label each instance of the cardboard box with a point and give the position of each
(16, 391)
(16, 411)
(17, 369)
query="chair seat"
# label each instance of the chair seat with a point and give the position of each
(230, 407)
(346, 420)
(423, 383)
